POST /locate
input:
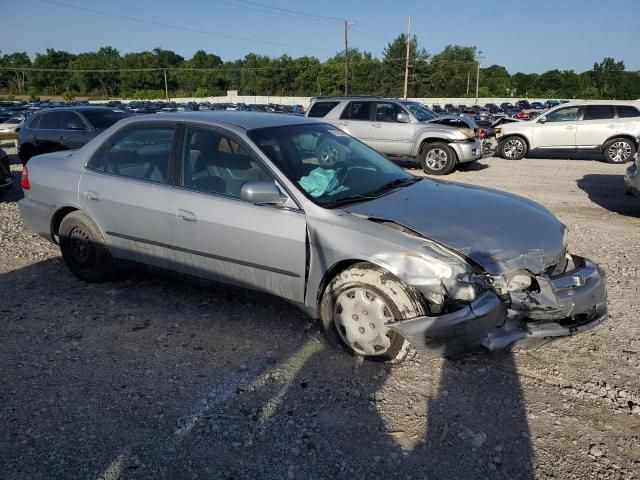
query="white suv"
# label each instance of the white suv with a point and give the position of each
(613, 127)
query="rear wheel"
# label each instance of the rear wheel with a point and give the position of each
(619, 150)
(513, 148)
(357, 306)
(437, 159)
(84, 250)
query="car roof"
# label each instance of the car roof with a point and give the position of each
(635, 103)
(245, 120)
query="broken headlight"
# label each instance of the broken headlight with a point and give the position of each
(465, 288)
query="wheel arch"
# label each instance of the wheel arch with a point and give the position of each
(57, 218)
(426, 141)
(519, 135)
(625, 136)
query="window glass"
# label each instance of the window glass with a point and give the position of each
(627, 111)
(419, 111)
(103, 117)
(98, 160)
(215, 163)
(598, 112)
(356, 111)
(387, 112)
(50, 121)
(142, 152)
(71, 121)
(327, 165)
(35, 120)
(568, 114)
(320, 109)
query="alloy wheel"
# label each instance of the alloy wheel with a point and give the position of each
(513, 148)
(436, 159)
(619, 152)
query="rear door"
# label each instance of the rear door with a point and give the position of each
(387, 134)
(559, 130)
(126, 190)
(47, 136)
(356, 120)
(218, 235)
(598, 124)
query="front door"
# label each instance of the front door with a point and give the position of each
(219, 236)
(388, 135)
(126, 190)
(559, 130)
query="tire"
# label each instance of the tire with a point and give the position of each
(380, 297)
(329, 152)
(513, 148)
(25, 153)
(437, 159)
(84, 250)
(619, 150)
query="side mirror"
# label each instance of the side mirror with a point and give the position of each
(542, 120)
(76, 126)
(403, 117)
(262, 192)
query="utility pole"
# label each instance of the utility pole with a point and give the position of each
(468, 79)
(346, 59)
(406, 63)
(478, 75)
(166, 87)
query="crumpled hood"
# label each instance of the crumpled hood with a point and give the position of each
(500, 231)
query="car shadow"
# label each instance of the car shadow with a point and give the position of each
(566, 155)
(409, 164)
(608, 191)
(146, 377)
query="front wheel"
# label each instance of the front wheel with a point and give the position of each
(619, 150)
(84, 250)
(357, 306)
(437, 159)
(513, 148)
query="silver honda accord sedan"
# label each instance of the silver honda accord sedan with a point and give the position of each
(382, 258)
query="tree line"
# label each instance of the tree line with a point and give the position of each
(450, 73)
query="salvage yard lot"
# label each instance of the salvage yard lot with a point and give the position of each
(146, 377)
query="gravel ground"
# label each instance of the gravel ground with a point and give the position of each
(150, 378)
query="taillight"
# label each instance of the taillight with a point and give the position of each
(24, 179)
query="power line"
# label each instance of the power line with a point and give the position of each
(273, 12)
(297, 12)
(178, 27)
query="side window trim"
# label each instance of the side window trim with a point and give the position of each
(108, 142)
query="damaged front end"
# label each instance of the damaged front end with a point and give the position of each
(498, 311)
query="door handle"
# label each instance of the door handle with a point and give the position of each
(344, 124)
(613, 125)
(91, 195)
(187, 216)
(376, 125)
(571, 127)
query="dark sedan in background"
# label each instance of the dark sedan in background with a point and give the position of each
(65, 128)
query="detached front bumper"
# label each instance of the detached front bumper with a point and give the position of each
(467, 151)
(562, 306)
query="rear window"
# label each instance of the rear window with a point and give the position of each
(103, 117)
(320, 109)
(598, 112)
(627, 111)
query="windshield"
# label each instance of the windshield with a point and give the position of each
(328, 166)
(419, 111)
(103, 117)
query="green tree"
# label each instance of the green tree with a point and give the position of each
(450, 71)
(393, 67)
(103, 83)
(11, 77)
(49, 81)
(607, 76)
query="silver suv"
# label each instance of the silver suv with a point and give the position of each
(398, 128)
(609, 126)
